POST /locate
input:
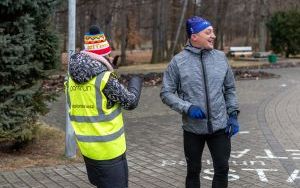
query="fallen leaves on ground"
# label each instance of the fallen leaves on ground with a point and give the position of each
(46, 150)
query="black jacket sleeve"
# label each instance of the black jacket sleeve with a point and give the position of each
(118, 93)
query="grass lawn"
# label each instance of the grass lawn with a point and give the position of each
(46, 150)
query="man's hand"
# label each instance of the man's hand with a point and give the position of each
(233, 126)
(196, 112)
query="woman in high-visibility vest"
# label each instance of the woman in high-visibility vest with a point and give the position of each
(95, 98)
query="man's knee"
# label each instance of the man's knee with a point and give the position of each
(194, 168)
(221, 167)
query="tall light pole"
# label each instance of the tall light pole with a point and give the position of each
(70, 149)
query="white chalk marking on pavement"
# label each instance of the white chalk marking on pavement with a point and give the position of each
(269, 155)
(293, 150)
(244, 132)
(231, 177)
(242, 163)
(293, 176)
(239, 153)
(296, 152)
(260, 172)
(261, 163)
(173, 163)
(168, 162)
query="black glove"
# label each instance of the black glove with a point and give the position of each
(115, 62)
(135, 86)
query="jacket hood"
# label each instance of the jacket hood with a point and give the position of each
(84, 66)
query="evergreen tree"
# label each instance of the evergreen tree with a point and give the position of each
(285, 32)
(28, 46)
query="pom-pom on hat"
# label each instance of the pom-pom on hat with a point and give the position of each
(95, 42)
(195, 25)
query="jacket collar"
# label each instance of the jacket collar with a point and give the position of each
(193, 49)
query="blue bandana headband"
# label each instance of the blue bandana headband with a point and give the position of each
(196, 24)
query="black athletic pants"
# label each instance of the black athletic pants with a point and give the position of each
(109, 173)
(220, 148)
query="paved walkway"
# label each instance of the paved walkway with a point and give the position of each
(266, 153)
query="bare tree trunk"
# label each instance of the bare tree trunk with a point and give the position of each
(249, 11)
(86, 19)
(221, 15)
(185, 4)
(139, 19)
(166, 18)
(162, 30)
(109, 12)
(107, 28)
(159, 36)
(93, 18)
(124, 32)
(81, 28)
(155, 33)
(173, 25)
(197, 6)
(262, 25)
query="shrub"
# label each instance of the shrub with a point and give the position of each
(28, 47)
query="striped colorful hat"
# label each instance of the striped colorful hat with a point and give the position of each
(95, 42)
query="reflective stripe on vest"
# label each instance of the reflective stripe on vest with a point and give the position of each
(99, 131)
(106, 138)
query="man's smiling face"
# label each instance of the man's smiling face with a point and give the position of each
(204, 39)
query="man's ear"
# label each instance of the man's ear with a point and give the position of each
(193, 37)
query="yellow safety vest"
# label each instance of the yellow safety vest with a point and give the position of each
(99, 131)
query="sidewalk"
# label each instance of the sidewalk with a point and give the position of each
(266, 153)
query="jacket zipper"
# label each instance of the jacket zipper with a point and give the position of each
(209, 125)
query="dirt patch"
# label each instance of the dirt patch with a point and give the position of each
(153, 79)
(46, 150)
(272, 66)
(54, 84)
(240, 74)
(150, 79)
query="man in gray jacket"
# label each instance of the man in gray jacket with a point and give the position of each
(206, 98)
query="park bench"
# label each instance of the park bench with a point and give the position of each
(240, 51)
